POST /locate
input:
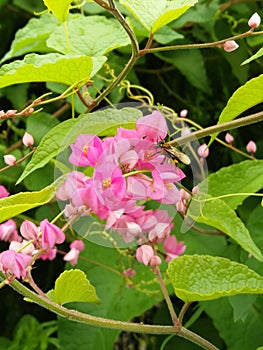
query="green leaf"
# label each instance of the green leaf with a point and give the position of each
(244, 177)
(237, 335)
(23, 201)
(245, 97)
(103, 123)
(166, 34)
(161, 12)
(32, 38)
(187, 62)
(107, 35)
(60, 8)
(218, 214)
(254, 57)
(73, 286)
(204, 277)
(50, 67)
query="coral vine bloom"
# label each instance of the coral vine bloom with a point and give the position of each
(14, 263)
(86, 150)
(153, 127)
(51, 235)
(173, 248)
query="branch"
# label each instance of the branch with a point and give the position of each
(201, 45)
(81, 317)
(233, 124)
(134, 55)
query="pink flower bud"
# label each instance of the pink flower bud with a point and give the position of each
(229, 138)
(203, 151)
(129, 273)
(183, 113)
(144, 254)
(195, 190)
(155, 261)
(78, 244)
(9, 159)
(254, 21)
(29, 230)
(11, 112)
(28, 139)
(3, 192)
(251, 147)
(230, 45)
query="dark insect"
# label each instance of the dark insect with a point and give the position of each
(173, 153)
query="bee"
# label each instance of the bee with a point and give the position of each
(173, 153)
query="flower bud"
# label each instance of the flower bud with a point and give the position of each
(229, 138)
(195, 190)
(11, 112)
(254, 21)
(9, 159)
(28, 139)
(230, 45)
(144, 254)
(155, 261)
(3, 192)
(129, 272)
(251, 147)
(203, 151)
(183, 113)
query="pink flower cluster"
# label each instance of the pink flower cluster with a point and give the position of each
(34, 242)
(38, 242)
(129, 169)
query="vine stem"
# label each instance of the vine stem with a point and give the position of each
(107, 323)
(134, 55)
(250, 119)
(201, 45)
(167, 298)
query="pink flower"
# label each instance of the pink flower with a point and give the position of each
(254, 21)
(10, 160)
(86, 150)
(144, 254)
(14, 263)
(8, 232)
(162, 188)
(73, 182)
(137, 186)
(203, 151)
(3, 192)
(51, 235)
(161, 228)
(230, 45)
(251, 147)
(229, 138)
(110, 185)
(75, 248)
(28, 140)
(153, 127)
(29, 230)
(173, 248)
